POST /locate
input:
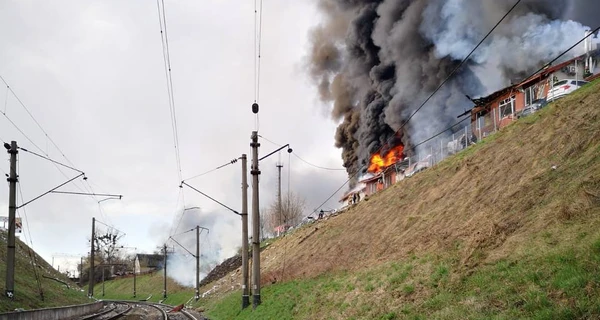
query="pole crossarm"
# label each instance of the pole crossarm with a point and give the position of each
(279, 149)
(211, 198)
(116, 196)
(53, 161)
(184, 248)
(51, 190)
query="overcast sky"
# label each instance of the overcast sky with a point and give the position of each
(92, 75)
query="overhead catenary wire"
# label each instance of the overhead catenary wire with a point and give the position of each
(179, 199)
(162, 19)
(53, 161)
(212, 170)
(35, 120)
(110, 226)
(48, 138)
(301, 159)
(30, 249)
(256, 55)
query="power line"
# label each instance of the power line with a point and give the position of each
(9, 89)
(34, 120)
(562, 54)
(53, 161)
(359, 169)
(179, 197)
(309, 163)
(212, 170)
(456, 68)
(318, 167)
(31, 255)
(259, 51)
(21, 131)
(162, 20)
(257, 55)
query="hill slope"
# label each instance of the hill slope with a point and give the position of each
(508, 228)
(27, 293)
(147, 285)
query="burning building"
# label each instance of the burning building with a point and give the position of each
(375, 62)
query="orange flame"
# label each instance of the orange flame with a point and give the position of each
(378, 162)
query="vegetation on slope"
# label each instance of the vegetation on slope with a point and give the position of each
(27, 293)
(148, 285)
(507, 229)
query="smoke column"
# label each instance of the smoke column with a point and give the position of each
(220, 243)
(375, 61)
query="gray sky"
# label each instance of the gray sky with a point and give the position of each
(92, 74)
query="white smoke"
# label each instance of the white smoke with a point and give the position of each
(219, 243)
(395, 53)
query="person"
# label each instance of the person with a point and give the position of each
(321, 214)
(357, 198)
(354, 198)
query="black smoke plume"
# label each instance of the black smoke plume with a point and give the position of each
(375, 61)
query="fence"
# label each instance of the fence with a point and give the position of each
(448, 144)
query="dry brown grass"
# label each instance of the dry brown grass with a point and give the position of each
(479, 205)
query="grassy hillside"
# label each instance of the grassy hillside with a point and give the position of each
(27, 293)
(146, 286)
(509, 228)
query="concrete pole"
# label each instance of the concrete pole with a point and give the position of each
(134, 278)
(13, 178)
(81, 272)
(245, 278)
(197, 296)
(165, 272)
(92, 249)
(255, 222)
(103, 280)
(281, 220)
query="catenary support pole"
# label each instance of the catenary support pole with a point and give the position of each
(81, 272)
(92, 249)
(197, 295)
(255, 223)
(134, 278)
(12, 209)
(279, 207)
(102, 280)
(245, 273)
(165, 271)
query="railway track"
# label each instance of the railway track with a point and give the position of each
(128, 309)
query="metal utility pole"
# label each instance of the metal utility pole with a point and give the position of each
(92, 249)
(165, 272)
(12, 208)
(81, 272)
(245, 279)
(281, 220)
(255, 222)
(103, 280)
(197, 263)
(134, 277)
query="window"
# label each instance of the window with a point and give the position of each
(560, 83)
(507, 107)
(531, 94)
(581, 83)
(388, 180)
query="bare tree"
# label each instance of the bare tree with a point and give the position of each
(290, 213)
(264, 224)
